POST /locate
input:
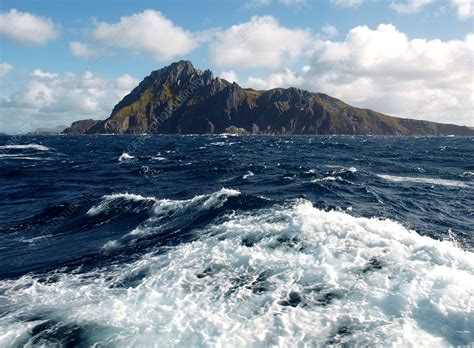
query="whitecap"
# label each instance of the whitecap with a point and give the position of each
(248, 175)
(25, 147)
(222, 143)
(108, 200)
(27, 158)
(421, 180)
(111, 244)
(342, 171)
(125, 157)
(327, 178)
(214, 199)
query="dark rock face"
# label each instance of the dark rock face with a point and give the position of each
(80, 127)
(181, 99)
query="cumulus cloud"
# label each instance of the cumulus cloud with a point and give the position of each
(148, 33)
(385, 70)
(230, 76)
(330, 30)
(49, 99)
(464, 8)
(5, 69)
(285, 78)
(26, 28)
(347, 3)
(260, 3)
(42, 74)
(293, 2)
(260, 42)
(83, 50)
(409, 6)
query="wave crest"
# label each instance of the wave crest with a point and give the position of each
(288, 275)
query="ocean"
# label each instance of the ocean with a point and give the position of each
(236, 241)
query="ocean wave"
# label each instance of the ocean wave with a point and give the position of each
(21, 157)
(248, 175)
(287, 275)
(109, 200)
(326, 178)
(214, 199)
(342, 171)
(160, 205)
(222, 143)
(25, 147)
(421, 180)
(125, 157)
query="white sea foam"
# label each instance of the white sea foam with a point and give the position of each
(25, 147)
(248, 175)
(109, 200)
(125, 157)
(222, 143)
(213, 200)
(339, 171)
(327, 178)
(421, 180)
(28, 158)
(285, 276)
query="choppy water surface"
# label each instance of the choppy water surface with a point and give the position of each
(246, 241)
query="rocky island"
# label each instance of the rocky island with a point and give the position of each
(180, 99)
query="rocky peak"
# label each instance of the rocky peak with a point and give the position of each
(177, 72)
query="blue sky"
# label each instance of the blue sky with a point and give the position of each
(67, 60)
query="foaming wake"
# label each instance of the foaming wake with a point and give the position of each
(420, 180)
(287, 275)
(37, 147)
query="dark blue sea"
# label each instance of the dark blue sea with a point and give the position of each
(194, 241)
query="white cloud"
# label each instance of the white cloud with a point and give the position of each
(230, 76)
(5, 69)
(261, 3)
(330, 30)
(83, 50)
(293, 2)
(409, 6)
(126, 82)
(464, 8)
(261, 42)
(148, 33)
(385, 70)
(43, 75)
(26, 28)
(257, 3)
(49, 99)
(281, 79)
(347, 3)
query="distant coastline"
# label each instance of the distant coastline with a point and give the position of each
(179, 99)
